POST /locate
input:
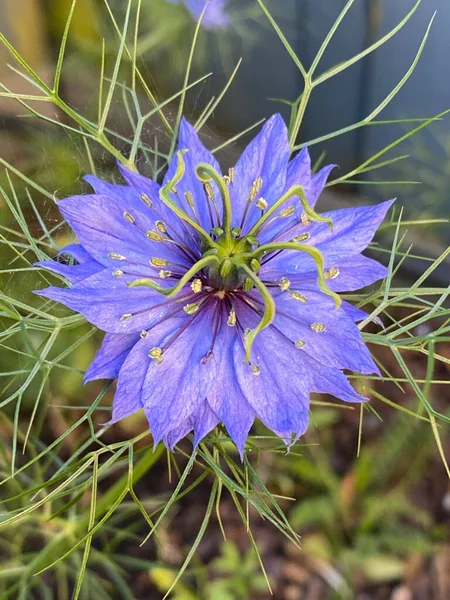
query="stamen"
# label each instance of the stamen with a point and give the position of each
(305, 220)
(226, 180)
(208, 190)
(157, 354)
(158, 262)
(143, 334)
(192, 308)
(154, 236)
(297, 296)
(300, 344)
(301, 238)
(287, 212)
(126, 316)
(164, 274)
(236, 232)
(160, 226)
(258, 183)
(146, 200)
(255, 369)
(318, 327)
(332, 273)
(196, 286)
(231, 321)
(247, 286)
(225, 267)
(231, 174)
(129, 218)
(117, 273)
(253, 193)
(255, 265)
(284, 284)
(262, 204)
(116, 256)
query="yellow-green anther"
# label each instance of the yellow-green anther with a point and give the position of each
(261, 204)
(252, 240)
(318, 327)
(300, 344)
(196, 286)
(126, 316)
(146, 200)
(117, 273)
(225, 267)
(297, 296)
(189, 199)
(284, 284)
(158, 262)
(211, 252)
(208, 190)
(287, 212)
(157, 355)
(226, 179)
(255, 369)
(268, 314)
(247, 286)
(163, 274)
(231, 321)
(253, 193)
(255, 265)
(165, 195)
(160, 226)
(143, 334)
(128, 217)
(315, 254)
(192, 308)
(206, 173)
(154, 236)
(258, 184)
(236, 232)
(116, 256)
(301, 238)
(305, 219)
(231, 174)
(204, 262)
(295, 190)
(331, 273)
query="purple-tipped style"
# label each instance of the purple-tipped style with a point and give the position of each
(219, 293)
(214, 17)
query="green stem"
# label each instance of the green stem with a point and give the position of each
(295, 190)
(269, 311)
(315, 254)
(173, 291)
(207, 173)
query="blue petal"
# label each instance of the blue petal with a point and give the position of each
(267, 157)
(110, 356)
(99, 224)
(333, 382)
(73, 273)
(197, 153)
(299, 173)
(225, 396)
(202, 421)
(279, 395)
(103, 300)
(340, 346)
(128, 396)
(77, 251)
(174, 389)
(353, 230)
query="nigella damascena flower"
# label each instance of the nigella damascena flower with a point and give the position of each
(219, 293)
(214, 17)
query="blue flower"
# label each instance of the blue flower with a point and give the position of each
(215, 16)
(219, 293)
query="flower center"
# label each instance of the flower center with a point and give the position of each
(232, 261)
